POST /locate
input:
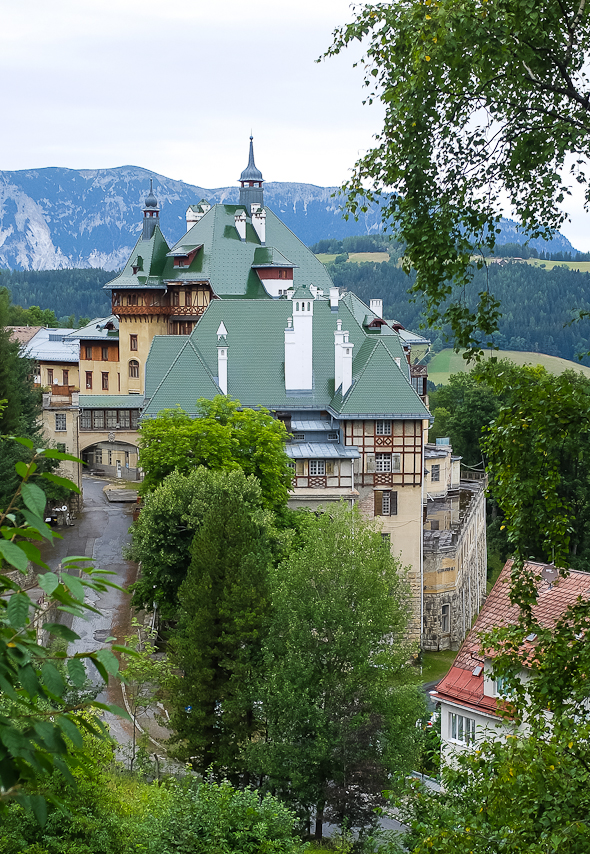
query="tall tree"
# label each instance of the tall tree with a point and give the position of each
(224, 438)
(224, 604)
(484, 99)
(339, 700)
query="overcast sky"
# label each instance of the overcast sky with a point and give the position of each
(177, 85)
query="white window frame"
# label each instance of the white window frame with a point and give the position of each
(386, 504)
(383, 428)
(61, 418)
(382, 462)
(435, 473)
(461, 729)
(317, 468)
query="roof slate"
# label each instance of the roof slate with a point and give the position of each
(460, 685)
(110, 401)
(96, 330)
(256, 356)
(153, 254)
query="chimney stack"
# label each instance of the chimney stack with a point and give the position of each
(334, 298)
(222, 357)
(376, 306)
(240, 222)
(338, 340)
(259, 221)
(299, 343)
(346, 348)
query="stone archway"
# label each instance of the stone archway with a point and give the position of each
(113, 458)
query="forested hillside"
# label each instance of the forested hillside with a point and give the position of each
(537, 304)
(67, 292)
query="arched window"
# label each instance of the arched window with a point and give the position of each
(134, 369)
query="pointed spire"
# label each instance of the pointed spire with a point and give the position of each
(151, 213)
(251, 182)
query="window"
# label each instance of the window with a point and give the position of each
(66, 377)
(126, 459)
(60, 421)
(134, 369)
(134, 419)
(462, 729)
(85, 420)
(383, 428)
(445, 619)
(501, 686)
(332, 437)
(98, 419)
(88, 349)
(385, 503)
(98, 456)
(299, 437)
(396, 462)
(435, 474)
(124, 418)
(49, 376)
(133, 342)
(111, 418)
(386, 539)
(317, 467)
(300, 468)
(175, 298)
(105, 381)
(382, 462)
(61, 447)
(88, 379)
(418, 385)
(105, 354)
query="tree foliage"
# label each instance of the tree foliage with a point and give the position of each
(39, 731)
(223, 437)
(224, 603)
(538, 450)
(483, 99)
(338, 701)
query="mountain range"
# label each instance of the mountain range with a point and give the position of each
(57, 218)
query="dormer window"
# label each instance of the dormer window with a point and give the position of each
(135, 268)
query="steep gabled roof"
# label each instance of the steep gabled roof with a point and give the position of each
(186, 380)
(380, 387)
(97, 330)
(150, 256)
(461, 685)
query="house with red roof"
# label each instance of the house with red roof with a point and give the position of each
(470, 699)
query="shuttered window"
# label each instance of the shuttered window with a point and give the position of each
(385, 503)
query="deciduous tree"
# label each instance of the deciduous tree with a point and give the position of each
(339, 701)
(484, 100)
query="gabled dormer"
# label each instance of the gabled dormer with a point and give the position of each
(274, 270)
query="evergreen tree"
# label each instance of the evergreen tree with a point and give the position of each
(223, 613)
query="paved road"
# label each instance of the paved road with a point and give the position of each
(100, 533)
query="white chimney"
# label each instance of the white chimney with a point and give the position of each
(240, 222)
(259, 222)
(376, 306)
(299, 343)
(196, 212)
(346, 348)
(338, 339)
(334, 298)
(222, 364)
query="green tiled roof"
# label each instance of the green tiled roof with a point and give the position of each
(111, 401)
(163, 351)
(187, 379)
(268, 256)
(153, 257)
(380, 388)
(256, 356)
(225, 261)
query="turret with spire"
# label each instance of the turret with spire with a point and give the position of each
(151, 213)
(251, 183)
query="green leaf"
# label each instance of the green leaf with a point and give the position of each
(70, 729)
(107, 657)
(39, 807)
(38, 523)
(22, 441)
(77, 672)
(61, 481)
(52, 678)
(61, 631)
(33, 553)
(18, 609)
(75, 587)
(48, 581)
(34, 498)
(22, 469)
(14, 555)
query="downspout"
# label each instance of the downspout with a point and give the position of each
(422, 542)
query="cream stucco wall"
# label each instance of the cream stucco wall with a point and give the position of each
(145, 328)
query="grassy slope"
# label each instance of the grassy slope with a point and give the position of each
(357, 257)
(448, 362)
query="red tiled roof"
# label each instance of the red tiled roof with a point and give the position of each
(23, 334)
(460, 685)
